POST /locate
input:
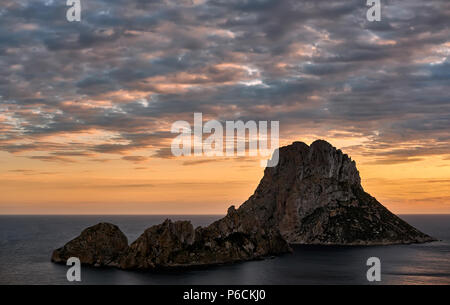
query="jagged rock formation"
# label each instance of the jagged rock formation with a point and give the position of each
(313, 196)
(98, 245)
(177, 244)
(174, 244)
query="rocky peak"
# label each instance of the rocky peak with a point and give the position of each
(321, 160)
(309, 193)
(326, 161)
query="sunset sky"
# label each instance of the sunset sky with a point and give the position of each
(86, 107)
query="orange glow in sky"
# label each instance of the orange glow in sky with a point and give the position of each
(193, 185)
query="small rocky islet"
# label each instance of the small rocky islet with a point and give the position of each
(313, 196)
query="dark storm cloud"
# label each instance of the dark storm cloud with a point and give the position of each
(131, 68)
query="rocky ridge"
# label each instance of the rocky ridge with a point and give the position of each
(313, 196)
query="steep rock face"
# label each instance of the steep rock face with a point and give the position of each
(314, 196)
(98, 245)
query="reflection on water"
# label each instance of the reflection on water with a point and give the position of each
(27, 241)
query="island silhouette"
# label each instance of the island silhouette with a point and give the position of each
(313, 196)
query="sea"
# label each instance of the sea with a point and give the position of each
(27, 242)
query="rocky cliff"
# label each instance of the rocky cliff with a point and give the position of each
(313, 196)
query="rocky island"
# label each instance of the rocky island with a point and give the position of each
(313, 196)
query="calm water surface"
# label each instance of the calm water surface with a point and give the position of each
(26, 244)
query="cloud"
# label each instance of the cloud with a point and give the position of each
(132, 68)
(196, 162)
(135, 159)
(164, 153)
(22, 171)
(389, 161)
(51, 159)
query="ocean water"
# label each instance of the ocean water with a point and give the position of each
(26, 244)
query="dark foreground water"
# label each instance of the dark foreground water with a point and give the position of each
(26, 244)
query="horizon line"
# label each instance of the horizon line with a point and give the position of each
(174, 214)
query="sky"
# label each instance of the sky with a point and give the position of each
(86, 107)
